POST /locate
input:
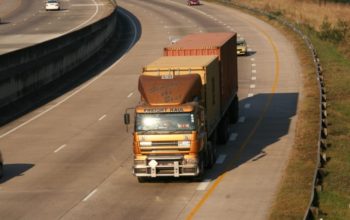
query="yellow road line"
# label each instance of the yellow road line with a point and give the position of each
(251, 134)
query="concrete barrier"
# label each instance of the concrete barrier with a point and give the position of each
(25, 71)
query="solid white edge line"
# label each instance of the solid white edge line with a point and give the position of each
(88, 20)
(203, 185)
(90, 194)
(74, 93)
(60, 148)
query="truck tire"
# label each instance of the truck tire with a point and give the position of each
(211, 155)
(141, 179)
(223, 133)
(233, 110)
(1, 170)
(201, 166)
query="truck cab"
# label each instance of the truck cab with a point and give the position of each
(170, 129)
(167, 140)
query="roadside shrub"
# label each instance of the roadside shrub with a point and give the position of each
(334, 33)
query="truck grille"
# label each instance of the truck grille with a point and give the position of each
(163, 146)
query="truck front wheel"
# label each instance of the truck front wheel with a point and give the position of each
(233, 110)
(1, 170)
(201, 167)
(223, 132)
(211, 155)
(141, 179)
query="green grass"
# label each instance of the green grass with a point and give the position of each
(335, 198)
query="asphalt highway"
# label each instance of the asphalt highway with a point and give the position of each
(24, 23)
(72, 158)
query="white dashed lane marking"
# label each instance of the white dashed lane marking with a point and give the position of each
(130, 95)
(241, 119)
(221, 159)
(233, 137)
(250, 95)
(102, 117)
(60, 148)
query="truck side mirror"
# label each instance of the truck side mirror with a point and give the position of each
(126, 118)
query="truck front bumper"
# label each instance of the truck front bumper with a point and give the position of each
(157, 166)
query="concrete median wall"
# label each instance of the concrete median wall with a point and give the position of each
(24, 71)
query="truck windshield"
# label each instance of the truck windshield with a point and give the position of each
(165, 122)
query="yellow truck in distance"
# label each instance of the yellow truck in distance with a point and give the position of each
(179, 119)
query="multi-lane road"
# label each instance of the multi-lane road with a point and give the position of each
(24, 23)
(71, 158)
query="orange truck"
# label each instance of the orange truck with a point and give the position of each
(186, 106)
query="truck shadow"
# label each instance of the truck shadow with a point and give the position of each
(127, 33)
(266, 121)
(263, 126)
(13, 170)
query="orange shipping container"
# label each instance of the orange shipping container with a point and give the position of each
(223, 45)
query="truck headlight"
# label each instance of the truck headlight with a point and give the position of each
(145, 143)
(184, 143)
(190, 160)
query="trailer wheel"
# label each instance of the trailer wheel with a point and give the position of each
(223, 130)
(1, 170)
(141, 179)
(234, 110)
(211, 155)
(201, 166)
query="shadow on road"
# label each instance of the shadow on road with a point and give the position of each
(127, 33)
(14, 170)
(262, 127)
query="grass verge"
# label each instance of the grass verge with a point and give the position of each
(335, 197)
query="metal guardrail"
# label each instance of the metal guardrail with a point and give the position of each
(312, 211)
